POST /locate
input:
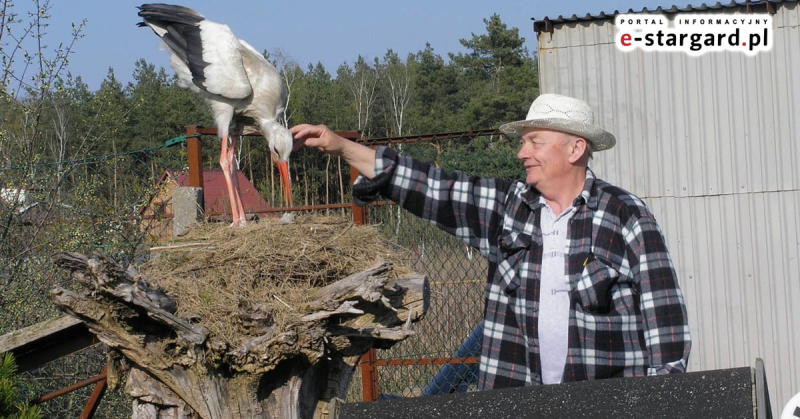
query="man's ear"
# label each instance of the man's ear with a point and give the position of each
(577, 149)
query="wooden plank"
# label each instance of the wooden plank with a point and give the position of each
(43, 342)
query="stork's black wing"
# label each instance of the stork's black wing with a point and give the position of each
(209, 50)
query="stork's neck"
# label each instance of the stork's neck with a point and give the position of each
(269, 129)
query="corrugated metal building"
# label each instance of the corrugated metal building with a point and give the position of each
(712, 144)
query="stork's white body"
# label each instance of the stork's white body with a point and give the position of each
(242, 88)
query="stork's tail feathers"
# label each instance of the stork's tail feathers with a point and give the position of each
(156, 13)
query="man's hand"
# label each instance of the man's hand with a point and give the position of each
(359, 156)
(319, 137)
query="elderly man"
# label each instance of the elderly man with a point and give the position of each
(580, 285)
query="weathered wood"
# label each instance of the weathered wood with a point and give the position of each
(106, 277)
(368, 285)
(347, 307)
(43, 342)
(11, 341)
(143, 387)
(178, 246)
(394, 333)
(299, 371)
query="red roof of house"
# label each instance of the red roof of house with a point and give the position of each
(215, 194)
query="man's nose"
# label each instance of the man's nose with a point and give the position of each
(522, 153)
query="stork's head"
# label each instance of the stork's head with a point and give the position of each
(280, 144)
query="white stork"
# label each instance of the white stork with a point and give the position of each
(243, 89)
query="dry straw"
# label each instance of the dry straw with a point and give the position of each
(222, 277)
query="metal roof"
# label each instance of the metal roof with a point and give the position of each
(545, 24)
(215, 195)
(711, 144)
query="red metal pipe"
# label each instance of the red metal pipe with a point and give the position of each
(94, 399)
(70, 389)
(429, 137)
(369, 376)
(425, 361)
(356, 136)
(321, 207)
(195, 157)
(213, 131)
(360, 214)
(270, 210)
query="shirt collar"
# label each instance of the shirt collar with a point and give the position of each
(588, 195)
(531, 196)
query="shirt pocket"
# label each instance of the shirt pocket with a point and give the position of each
(601, 290)
(513, 247)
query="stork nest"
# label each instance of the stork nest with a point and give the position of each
(219, 276)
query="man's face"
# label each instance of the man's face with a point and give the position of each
(545, 154)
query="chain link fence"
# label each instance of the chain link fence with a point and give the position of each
(67, 371)
(96, 204)
(86, 205)
(442, 357)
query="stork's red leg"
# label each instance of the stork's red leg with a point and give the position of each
(236, 188)
(226, 163)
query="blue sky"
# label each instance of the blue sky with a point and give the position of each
(306, 31)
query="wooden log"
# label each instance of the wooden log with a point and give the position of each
(299, 371)
(367, 285)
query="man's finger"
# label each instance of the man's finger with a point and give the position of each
(305, 132)
(298, 128)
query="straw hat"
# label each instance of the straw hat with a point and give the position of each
(566, 114)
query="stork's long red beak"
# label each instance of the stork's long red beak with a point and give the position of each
(286, 182)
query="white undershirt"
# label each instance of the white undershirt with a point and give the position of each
(554, 295)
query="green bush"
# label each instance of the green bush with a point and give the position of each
(10, 406)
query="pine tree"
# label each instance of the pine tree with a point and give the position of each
(10, 407)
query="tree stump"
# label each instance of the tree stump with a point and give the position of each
(179, 370)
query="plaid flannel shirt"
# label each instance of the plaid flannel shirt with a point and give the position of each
(627, 314)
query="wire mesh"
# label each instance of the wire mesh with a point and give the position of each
(456, 274)
(81, 205)
(97, 203)
(69, 370)
(427, 363)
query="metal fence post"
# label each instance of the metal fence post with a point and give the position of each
(360, 214)
(195, 157)
(369, 377)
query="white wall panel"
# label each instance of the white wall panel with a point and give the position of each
(712, 144)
